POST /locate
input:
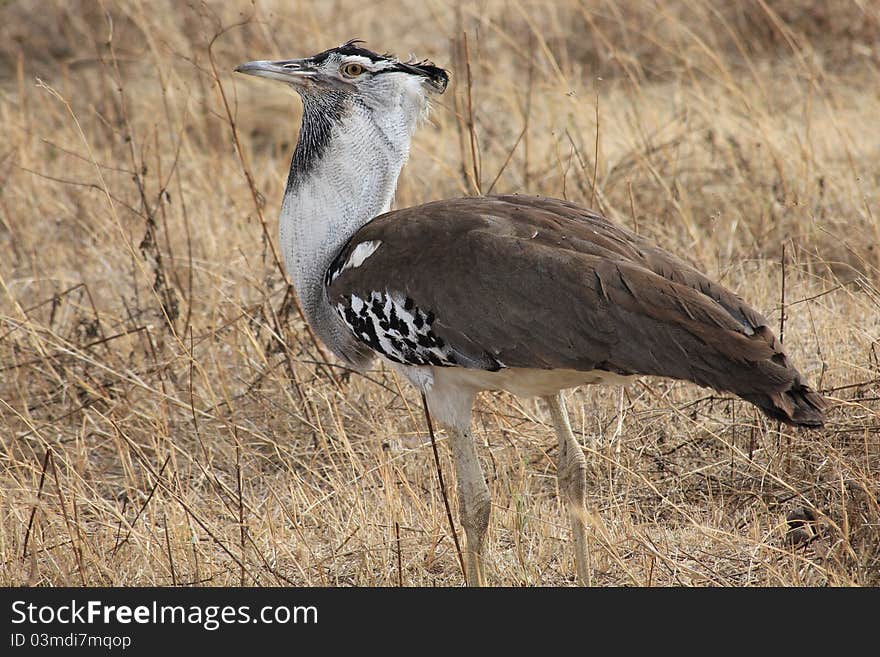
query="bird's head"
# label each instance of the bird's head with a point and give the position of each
(349, 74)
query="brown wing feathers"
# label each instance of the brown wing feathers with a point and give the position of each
(522, 281)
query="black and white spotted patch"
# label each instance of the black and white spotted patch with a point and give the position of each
(394, 327)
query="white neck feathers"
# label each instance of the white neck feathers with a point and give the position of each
(348, 178)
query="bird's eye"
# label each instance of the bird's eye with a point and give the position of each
(352, 70)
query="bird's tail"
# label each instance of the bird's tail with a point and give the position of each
(800, 405)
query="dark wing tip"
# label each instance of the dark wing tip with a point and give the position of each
(809, 407)
(799, 406)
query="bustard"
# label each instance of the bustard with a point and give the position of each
(526, 294)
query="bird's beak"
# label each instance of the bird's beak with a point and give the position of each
(293, 71)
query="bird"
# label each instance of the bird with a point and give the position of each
(521, 293)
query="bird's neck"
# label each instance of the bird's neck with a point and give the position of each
(344, 172)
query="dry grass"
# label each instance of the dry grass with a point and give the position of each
(165, 419)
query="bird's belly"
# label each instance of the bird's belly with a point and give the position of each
(524, 382)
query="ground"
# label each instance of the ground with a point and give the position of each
(166, 419)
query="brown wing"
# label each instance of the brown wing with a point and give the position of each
(518, 281)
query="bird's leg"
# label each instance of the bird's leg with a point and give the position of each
(572, 475)
(474, 502)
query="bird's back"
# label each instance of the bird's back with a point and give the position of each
(532, 282)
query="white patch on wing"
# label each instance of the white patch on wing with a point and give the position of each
(360, 253)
